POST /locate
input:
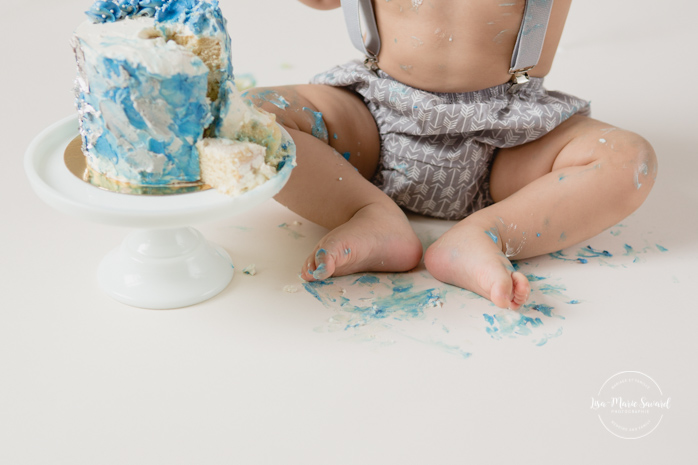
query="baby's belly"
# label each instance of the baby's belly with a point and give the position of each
(437, 73)
(451, 45)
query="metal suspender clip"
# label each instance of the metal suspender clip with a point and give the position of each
(371, 62)
(519, 78)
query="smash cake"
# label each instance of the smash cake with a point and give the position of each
(157, 102)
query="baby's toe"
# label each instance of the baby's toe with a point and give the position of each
(521, 290)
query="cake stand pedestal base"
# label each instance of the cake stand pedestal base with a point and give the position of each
(164, 263)
(165, 269)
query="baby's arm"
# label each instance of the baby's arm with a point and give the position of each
(322, 4)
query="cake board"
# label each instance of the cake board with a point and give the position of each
(164, 263)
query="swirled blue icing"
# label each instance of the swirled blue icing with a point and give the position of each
(128, 7)
(149, 7)
(201, 17)
(110, 11)
(104, 12)
(124, 128)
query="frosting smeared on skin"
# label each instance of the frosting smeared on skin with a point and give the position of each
(319, 129)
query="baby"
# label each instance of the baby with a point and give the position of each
(448, 117)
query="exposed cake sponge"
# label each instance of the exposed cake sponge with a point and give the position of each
(240, 120)
(233, 167)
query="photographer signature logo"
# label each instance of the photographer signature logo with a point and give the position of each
(630, 405)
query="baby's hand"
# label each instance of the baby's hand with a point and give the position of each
(322, 4)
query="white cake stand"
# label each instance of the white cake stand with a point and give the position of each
(165, 263)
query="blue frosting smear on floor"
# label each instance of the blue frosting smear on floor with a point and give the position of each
(386, 309)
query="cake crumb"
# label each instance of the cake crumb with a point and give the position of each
(250, 270)
(291, 289)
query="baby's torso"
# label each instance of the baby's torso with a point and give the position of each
(457, 45)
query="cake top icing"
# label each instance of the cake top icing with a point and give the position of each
(110, 11)
(198, 15)
(169, 17)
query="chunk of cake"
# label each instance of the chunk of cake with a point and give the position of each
(233, 167)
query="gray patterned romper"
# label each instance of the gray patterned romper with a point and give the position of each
(437, 148)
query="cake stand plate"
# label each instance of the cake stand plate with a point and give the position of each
(165, 263)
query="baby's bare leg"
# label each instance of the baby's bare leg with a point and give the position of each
(570, 185)
(337, 146)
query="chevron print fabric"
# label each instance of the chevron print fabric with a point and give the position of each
(437, 148)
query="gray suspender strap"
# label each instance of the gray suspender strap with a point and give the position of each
(353, 12)
(529, 43)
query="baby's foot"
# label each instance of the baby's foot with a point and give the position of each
(471, 257)
(376, 238)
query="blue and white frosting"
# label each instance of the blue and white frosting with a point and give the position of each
(200, 17)
(143, 99)
(111, 11)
